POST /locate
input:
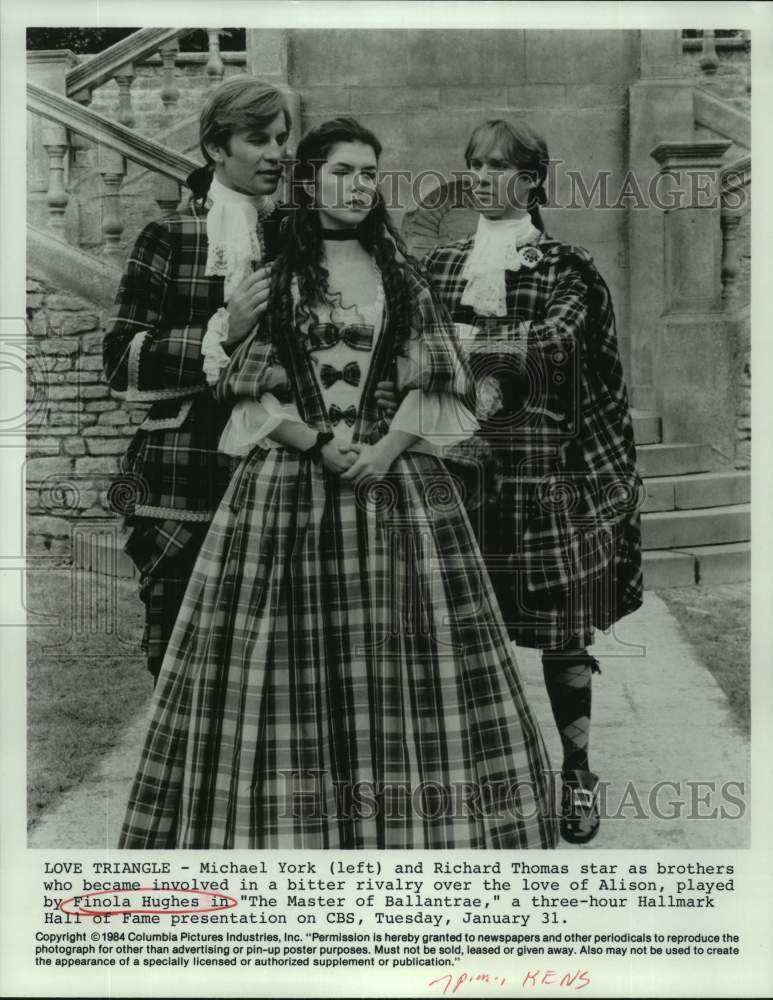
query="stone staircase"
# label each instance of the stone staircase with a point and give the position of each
(696, 521)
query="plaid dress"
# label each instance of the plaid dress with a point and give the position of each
(550, 478)
(339, 675)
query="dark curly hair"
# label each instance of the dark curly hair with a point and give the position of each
(303, 251)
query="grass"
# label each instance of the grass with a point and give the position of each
(716, 619)
(86, 677)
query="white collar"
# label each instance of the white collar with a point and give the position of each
(234, 246)
(495, 250)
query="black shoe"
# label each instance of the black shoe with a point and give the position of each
(580, 818)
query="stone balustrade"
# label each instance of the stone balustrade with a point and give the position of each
(70, 127)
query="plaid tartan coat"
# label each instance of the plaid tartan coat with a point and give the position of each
(339, 674)
(560, 531)
(152, 353)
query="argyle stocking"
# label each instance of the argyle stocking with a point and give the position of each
(568, 682)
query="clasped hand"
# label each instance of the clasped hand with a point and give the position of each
(355, 462)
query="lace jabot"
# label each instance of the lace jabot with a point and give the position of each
(499, 246)
(234, 246)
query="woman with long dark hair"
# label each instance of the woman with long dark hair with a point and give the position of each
(339, 675)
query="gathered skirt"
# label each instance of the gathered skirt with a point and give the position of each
(339, 676)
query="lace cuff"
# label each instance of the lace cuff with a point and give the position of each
(251, 422)
(440, 420)
(215, 358)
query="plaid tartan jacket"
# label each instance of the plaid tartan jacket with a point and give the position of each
(152, 353)
(557, 424)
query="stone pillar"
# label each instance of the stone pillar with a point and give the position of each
(696, 339)
(268, 59)
(112, 167)
(47, 68)
(659, 105)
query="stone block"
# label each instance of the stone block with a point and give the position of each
(106, 446)
(101, 431)
(94, 392)
(113, 418)
(667, 569)
(57, 301)
(101, 405)
(105, 465)
(58, 347)
(683, 529)
(673, 459)
(37, 469)
(65, 324)
(40, 446)
(715, 489)
(591, 57)
(729, 563)
(74, 446)
(326, 101)
(56, 527)
(388, 100)
(693, 250)
(481, 99)
(65, 422)
(646, 427)
(91, 342)
(594, 96)
(697, 399)
(90, 363)
(58, 549)
(659, 494)
(536, 95)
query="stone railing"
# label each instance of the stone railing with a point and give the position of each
(65, 129)
(118, 63)
(117, 144)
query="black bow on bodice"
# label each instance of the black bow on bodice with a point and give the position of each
(336, 414)
(322, 335)
(350, 374)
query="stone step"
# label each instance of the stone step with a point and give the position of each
(646, 427)
(702, 489)
(701, 564)
(682, 529)
(722, 563)
(673, 459)
(667, 569)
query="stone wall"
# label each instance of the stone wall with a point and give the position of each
(76, 428)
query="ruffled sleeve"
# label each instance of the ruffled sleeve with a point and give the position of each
(440, 418)
(256, 386)
(212, 351)
(251, 422)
